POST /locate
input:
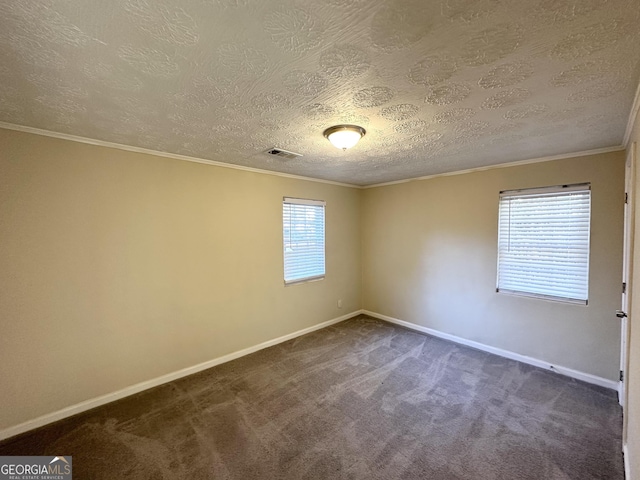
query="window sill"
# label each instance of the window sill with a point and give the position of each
(303, 280)
(549, 298)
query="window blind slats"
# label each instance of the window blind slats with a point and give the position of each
(304, 239)
(543, 243)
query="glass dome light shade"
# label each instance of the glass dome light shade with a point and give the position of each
(344, 136)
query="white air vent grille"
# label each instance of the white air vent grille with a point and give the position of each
(278, 152)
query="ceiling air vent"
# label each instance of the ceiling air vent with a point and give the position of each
(278, 152)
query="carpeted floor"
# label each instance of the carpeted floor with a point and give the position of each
(363, 399)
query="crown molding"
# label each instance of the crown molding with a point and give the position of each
(175, 156)
(633, 114)
(563, 156)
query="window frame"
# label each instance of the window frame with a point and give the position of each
(310, 203)
(560, 190)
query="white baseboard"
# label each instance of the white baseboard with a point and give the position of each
(585, 377)
(627, 465)
(139, 387)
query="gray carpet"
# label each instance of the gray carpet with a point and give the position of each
(363, 399)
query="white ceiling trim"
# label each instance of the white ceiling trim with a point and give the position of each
(129, 148)
(585, 153)
(633, 114)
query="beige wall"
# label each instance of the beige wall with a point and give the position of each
(632, 409)
(118, 267)
(429, 257)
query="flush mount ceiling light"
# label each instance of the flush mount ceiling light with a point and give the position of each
(344, 136)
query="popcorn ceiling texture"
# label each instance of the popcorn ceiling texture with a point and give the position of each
(440, 85)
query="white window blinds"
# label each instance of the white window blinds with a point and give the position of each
(543, 242)
(303, 233)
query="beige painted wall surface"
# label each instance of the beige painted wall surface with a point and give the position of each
(118, 267)
(632, 409)
(430, 256)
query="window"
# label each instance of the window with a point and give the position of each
(303, 234)
(543, 242)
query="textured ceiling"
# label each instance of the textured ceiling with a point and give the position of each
(440, 85)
